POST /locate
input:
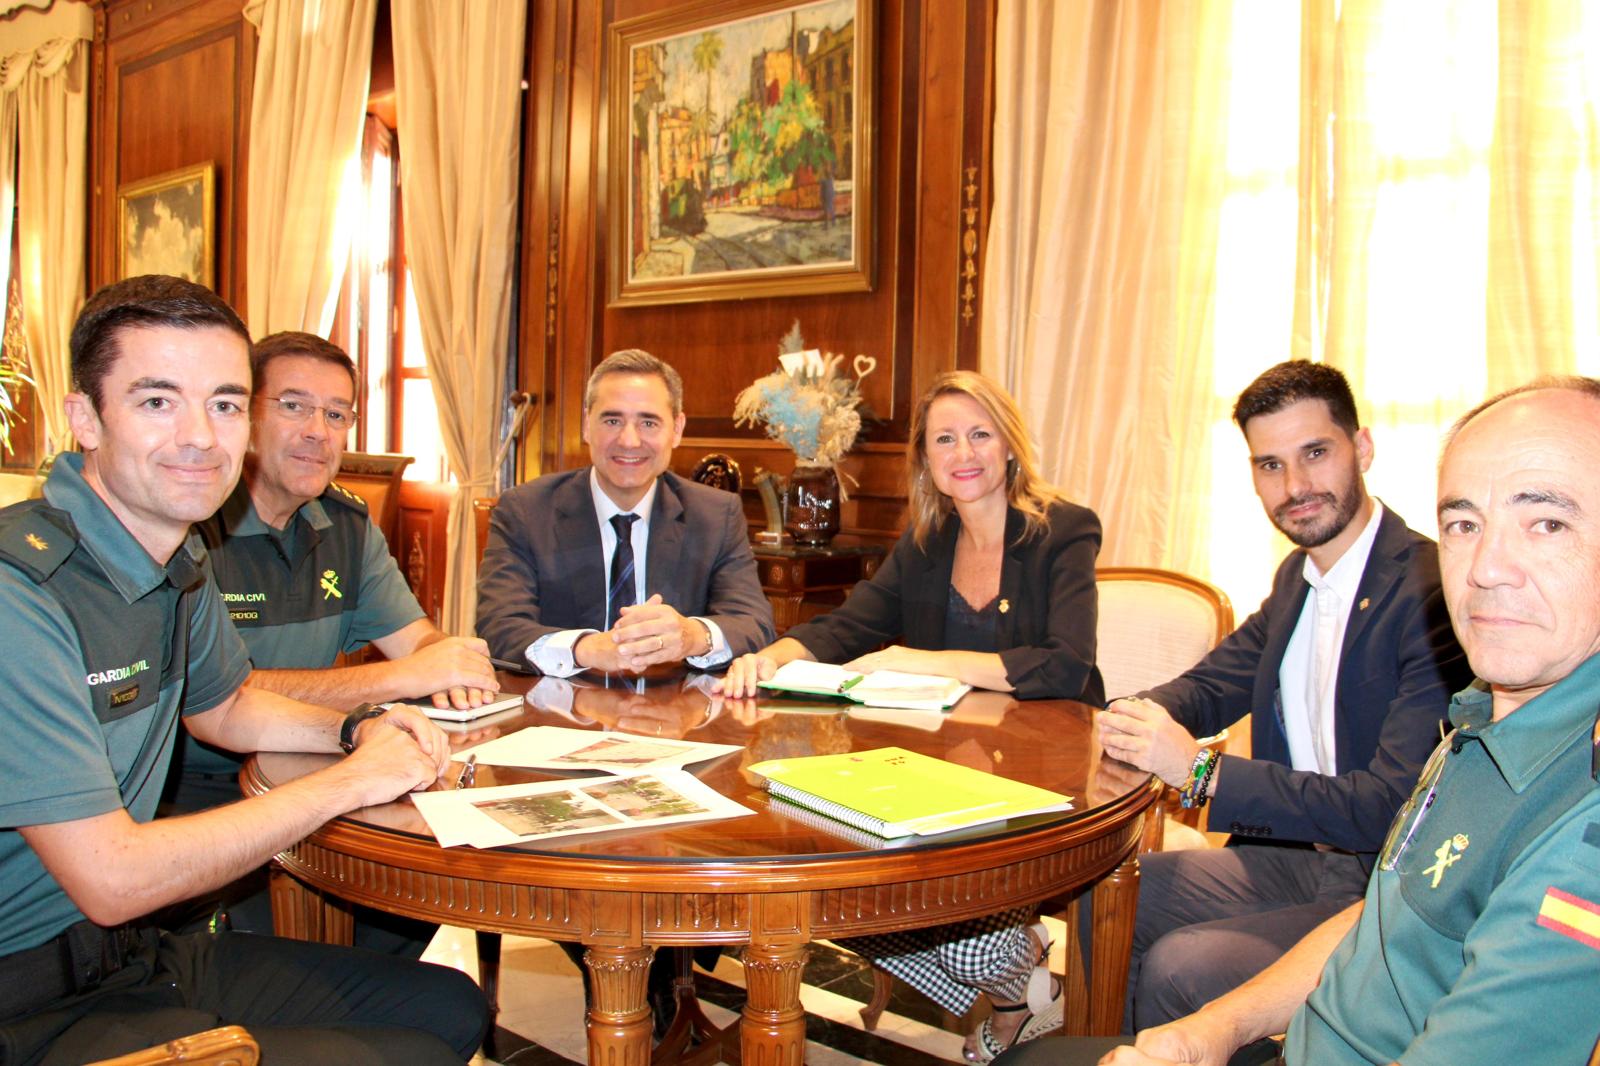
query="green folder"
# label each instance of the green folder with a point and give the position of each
(893, 792)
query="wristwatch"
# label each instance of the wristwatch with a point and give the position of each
(353, 720)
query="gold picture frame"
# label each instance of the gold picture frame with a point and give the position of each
(740, 151)
(166, 225)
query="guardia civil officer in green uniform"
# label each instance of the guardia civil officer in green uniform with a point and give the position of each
(304, 572)
(1478, 940)
(116, 637)
(306, 575)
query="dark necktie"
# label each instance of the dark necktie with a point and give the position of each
(620, 593)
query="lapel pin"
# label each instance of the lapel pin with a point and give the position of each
(1005, 605)
(1363, 603)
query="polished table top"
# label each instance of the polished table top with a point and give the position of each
(1048, 743)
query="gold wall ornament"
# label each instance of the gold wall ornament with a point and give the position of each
(552, 282)
(969, 248)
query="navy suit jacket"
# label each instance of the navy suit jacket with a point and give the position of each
(1398, 667)
(543, 569)
(1046, 636)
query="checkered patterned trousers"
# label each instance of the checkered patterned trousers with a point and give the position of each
(951, 964)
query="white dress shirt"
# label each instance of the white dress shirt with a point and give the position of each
(552, 654)
(1308, 676)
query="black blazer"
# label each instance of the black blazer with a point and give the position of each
(543, 569)
(1398, 667)
(1047, 634)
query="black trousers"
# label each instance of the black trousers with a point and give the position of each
(306, 1004)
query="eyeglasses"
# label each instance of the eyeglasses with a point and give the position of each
(1410, 816)
(336, 418)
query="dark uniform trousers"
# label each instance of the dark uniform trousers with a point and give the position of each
(304, 1003)
(1212, 918)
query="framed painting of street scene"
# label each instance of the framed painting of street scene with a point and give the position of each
(740, 151)
(164, 225)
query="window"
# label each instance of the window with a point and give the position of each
(378, 324)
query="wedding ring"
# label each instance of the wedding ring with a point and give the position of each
(660, 643)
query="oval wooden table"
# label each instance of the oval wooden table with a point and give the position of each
(771, 882)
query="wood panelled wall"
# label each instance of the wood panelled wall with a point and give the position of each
(932, 104)
(172, 88)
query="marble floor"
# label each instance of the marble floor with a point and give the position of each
(541, 1015)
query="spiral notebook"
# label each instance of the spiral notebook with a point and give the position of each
(892, 792)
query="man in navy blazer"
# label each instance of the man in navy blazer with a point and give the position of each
(563, 588)
(1345, 670)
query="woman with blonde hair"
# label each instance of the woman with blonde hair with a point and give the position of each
(992, 584)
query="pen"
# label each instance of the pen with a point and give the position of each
(469, 772)
(509, 666)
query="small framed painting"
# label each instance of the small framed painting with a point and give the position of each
(164, 225)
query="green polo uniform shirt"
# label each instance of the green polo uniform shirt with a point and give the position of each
(104, 647)
(1483, 944)
(299, 596)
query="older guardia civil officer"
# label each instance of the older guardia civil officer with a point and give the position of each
(993, 584)
(305, 576)
(621, 564)
(305, 573)
(117, 635)
(1478, 940)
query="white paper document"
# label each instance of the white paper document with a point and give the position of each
(550, 747)
(510, 814)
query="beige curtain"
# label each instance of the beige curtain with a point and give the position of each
(46, 72)
(458, 77)
(1545, 189)
(1098, 268)
(8, 178)
(313, 67)
(1185, 194)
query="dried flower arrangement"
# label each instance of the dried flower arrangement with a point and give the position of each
(810, 404)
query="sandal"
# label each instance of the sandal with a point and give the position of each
(1039, 1022)
(1042, 1001)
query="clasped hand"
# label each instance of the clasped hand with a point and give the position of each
(1141, 732)
(645, 634)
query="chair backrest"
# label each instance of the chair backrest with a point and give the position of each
(1154, 625)
(227, 1046)
(376, 477)
(14, 488)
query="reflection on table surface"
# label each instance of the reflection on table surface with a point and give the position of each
(1049, 743)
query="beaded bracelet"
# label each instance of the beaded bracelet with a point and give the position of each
(1204, 792)
(1193, 793)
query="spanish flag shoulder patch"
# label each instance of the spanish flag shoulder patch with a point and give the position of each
(1571, 916)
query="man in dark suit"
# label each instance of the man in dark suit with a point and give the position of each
(1345, 670)
(620, 565)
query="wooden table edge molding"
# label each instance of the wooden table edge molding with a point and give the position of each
(622, 910)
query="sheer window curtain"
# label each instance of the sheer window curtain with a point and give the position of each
(313, 67)
(458, 78)
(44, 72)
(1407, 191)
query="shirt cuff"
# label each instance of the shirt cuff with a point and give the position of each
(718, 653)
(552, 653)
